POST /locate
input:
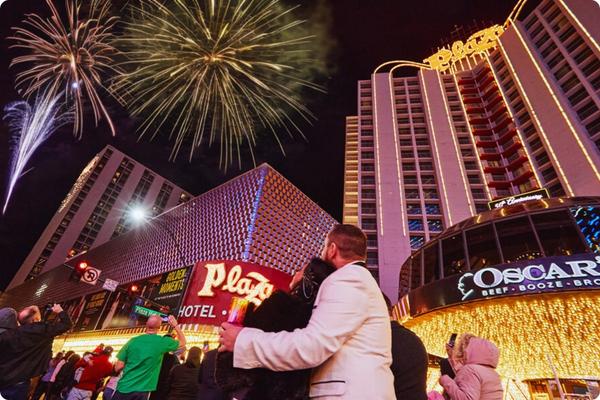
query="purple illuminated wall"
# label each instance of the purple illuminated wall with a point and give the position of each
(257, 217)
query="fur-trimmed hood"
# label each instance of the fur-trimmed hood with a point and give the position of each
(482, 352)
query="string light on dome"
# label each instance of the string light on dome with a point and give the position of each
(560, 324)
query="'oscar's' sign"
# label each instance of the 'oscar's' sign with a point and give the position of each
(214, 283)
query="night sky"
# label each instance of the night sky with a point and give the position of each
(362, 34)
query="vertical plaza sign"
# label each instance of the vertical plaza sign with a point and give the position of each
(214, 283)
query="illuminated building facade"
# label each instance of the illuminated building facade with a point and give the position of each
(96, 210)
(513, 109)
(525, 276)
(350, 211)
(258, 217)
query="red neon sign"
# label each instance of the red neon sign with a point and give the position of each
(214, 283)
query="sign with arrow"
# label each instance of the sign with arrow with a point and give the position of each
(90, 275)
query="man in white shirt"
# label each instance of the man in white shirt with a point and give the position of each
(348, 338)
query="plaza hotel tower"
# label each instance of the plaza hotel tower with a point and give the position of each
(510, 110)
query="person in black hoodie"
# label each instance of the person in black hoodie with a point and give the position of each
(409, 361)
(280, 312)
(65, 378)
(208, 388)
(27, 350)
(170, 360)
(182, 383)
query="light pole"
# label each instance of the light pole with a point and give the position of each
(139, 216)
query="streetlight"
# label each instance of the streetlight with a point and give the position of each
(139, 216)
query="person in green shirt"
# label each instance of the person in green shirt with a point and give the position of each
(141, 358)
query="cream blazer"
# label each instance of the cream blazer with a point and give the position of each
(347, 341)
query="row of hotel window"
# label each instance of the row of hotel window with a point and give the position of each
(561, 40)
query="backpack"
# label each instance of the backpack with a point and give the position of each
(65, 377)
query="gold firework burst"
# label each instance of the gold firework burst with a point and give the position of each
(217, 69)
(71, 55)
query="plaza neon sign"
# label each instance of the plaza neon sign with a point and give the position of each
(213, 285)
(255, 287)
(478, 43)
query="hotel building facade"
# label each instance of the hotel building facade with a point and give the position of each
(97, 208)
(514, 109)
(246, 237)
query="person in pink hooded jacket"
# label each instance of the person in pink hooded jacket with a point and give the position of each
(476, 378)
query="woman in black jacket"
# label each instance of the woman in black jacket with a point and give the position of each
(280, 312)
(182, 383)
(65, 379)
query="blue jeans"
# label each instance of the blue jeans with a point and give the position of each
(108, 393)
(79, 394)
(17, 391)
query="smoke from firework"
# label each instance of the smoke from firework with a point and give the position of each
(206, 70)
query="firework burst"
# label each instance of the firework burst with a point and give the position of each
(30, 127)
(216, 70)
(69, 55)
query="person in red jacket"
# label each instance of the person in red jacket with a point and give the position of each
(94, 371)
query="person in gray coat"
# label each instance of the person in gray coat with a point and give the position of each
(8, 319)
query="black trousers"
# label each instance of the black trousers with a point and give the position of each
(41, 388)
(131, 396)
(19, 391)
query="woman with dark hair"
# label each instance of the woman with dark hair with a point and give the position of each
(182, 383)
(44, 383)
(65, 378)
(280, 312)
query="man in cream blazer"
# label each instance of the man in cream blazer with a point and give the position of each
(348, 338)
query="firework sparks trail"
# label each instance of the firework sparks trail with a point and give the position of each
(30, 127)
(222, 69)
(70, 57)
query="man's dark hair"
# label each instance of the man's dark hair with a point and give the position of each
(388, 303)
(315, 273)
(350, 240)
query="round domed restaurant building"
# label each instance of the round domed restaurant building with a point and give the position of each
(525, 276)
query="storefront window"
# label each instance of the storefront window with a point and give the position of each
(453, 256)
(517, 240)
(481, 245)
(415, 274)
(431, 264)
(588, 220)
(558, 235)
